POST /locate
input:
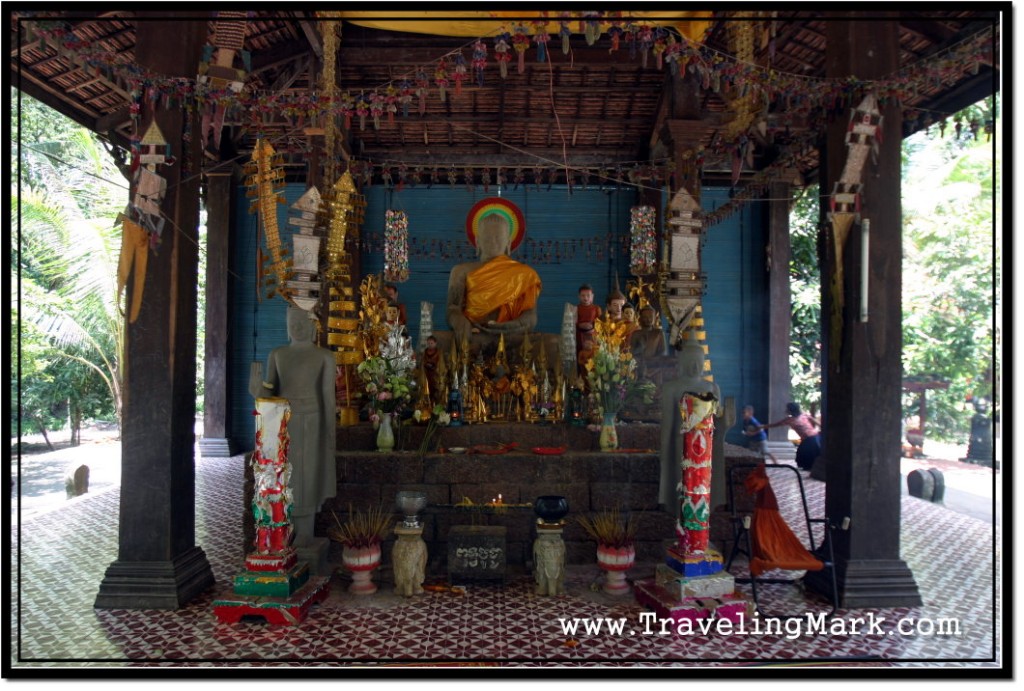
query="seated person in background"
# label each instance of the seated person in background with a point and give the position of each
(586, 314)
(391, 293)
(629, 318)
(614, 304)
(757, 438)
(495, 294)
(430, 361)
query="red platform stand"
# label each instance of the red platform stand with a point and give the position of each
(275, 584)
(289, 610)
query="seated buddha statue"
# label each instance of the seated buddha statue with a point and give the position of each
(495, 294)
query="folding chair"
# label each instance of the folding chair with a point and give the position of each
(768, 541)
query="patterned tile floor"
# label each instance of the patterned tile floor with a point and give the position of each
(60, 558)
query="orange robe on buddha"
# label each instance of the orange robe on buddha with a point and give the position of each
(501, 284)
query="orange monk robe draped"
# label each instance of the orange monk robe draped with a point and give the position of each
(501, 284)
(774, 544)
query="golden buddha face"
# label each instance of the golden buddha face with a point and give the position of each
(391, 313)
(629, 313)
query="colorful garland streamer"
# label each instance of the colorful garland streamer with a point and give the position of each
(396, 246)
(643, 240)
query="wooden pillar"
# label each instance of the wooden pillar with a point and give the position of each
(159, 565)
(216, 441)
(861, 406)
(779, 308)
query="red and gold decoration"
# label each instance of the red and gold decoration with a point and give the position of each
(396, 246)
(503, 207)
(643, 240)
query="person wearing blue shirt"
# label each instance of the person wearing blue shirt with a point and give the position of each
(757, 438)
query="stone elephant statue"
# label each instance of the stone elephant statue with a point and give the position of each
(549, 564)
(409, 561)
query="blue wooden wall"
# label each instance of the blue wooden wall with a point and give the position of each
(570, 239)
(736, 306)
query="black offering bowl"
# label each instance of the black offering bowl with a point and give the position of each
(551, 508)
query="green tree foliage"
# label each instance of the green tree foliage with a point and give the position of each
(804, 285)
(64, 265)
(949, 286)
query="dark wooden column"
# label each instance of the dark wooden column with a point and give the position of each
(216, 441)
(159, 565)
(862, 390)
(779, 307)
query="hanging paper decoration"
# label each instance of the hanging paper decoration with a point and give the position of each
(441, 77)
(643, 240)
(645, 39)
(422, 85)
(862, 138)
(396, 246)
(632, 33)
(540, 37)
(305, 284)
(460, 72)
(405, 96)
(376, 108)
(660, 43)
(362, 110)
(391, 101)
(347, 108)
(134, 252)
(479, 61)
(501, 52)
(521, 41)
(565, 33)
(228, 37)
(615, 34)
(592, 27)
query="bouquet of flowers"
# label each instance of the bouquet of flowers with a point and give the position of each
(611, 372)
(388, 376)
(438, 417)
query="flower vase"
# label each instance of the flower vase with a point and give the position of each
(385, 434)
(361, 561)
(609, 439)
(615, 561)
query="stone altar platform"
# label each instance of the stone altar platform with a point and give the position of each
(590, 479)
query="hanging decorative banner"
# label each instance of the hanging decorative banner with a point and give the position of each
(643, 240)
(266, 184)
(862, 138)
(497, 205)
(396, 246)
